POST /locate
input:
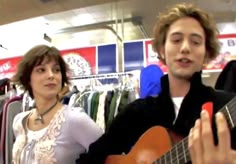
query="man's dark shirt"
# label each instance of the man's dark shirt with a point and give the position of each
(143, 114)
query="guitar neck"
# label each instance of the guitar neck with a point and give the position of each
(179, 153)
(229, 112)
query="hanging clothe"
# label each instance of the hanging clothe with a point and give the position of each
(4, 86)
(11, 108)
(67, 96)
(104, 97)
(100, 118)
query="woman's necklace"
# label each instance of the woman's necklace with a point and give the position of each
(40, 116)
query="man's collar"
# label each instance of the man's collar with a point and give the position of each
(195, 80)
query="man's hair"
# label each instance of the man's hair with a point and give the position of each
(167, 18)
(34, 57)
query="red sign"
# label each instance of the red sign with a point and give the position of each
(82, 61)
(9, 66)
(227, 52)
(152, 57)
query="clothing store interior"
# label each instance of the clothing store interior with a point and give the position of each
(107, 46)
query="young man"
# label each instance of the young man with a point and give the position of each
(185, 38)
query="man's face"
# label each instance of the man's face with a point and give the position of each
(184, 50)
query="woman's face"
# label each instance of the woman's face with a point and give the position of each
(46, 79)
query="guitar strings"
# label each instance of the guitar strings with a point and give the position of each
(184, 155)
(230, 113)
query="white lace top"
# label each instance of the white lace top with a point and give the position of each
(34, 136)
(69, 134)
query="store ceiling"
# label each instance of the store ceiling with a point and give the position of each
(15, 10)
(87, 22)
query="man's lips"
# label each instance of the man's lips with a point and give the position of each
(184, 62)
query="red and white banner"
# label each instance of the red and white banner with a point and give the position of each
(82, 61)
(151, 56)
(8, 66)
(227, 52)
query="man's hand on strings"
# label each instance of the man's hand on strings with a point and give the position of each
(201, 143)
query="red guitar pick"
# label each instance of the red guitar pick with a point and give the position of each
(208, 106)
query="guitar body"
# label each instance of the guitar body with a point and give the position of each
(154, 143)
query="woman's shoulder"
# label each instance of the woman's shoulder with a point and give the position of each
(75, 114)
(72, 111)
(77, 118)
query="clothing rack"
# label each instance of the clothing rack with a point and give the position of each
(102, 96)
(101, 76)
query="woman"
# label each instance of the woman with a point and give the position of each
(51, 132)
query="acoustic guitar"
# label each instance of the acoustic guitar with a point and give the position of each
(155, 146)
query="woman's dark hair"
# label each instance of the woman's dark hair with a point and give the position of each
(35, 57)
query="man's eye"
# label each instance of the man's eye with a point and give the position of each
(176, 40)
(196, 42)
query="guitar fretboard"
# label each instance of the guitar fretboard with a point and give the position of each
(179, 153)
